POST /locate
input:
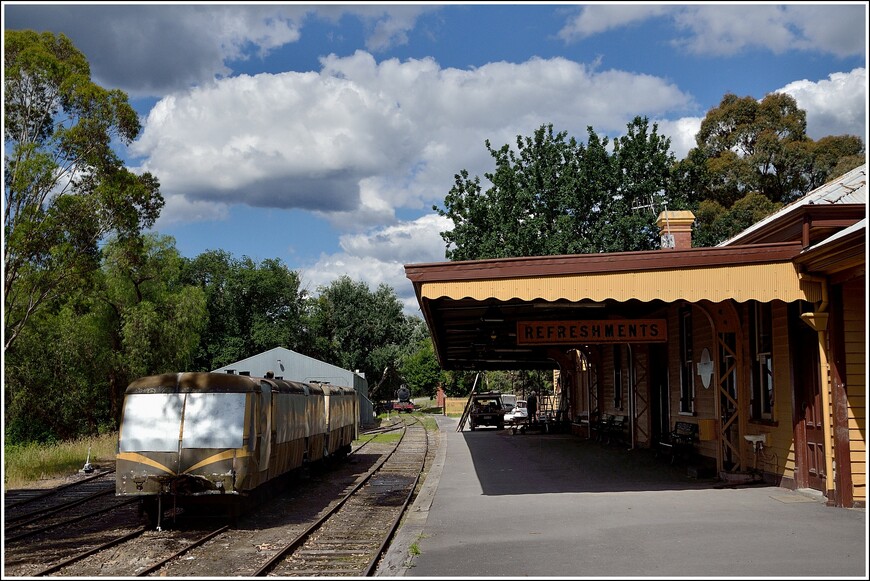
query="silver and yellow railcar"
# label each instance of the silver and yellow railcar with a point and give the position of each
(212, 436)
(342, 418)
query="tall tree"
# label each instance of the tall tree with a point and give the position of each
(420, 369)
(66, 374)
(252, 307)
(352, 327)
(154, 319)
(553, 195)
(745, 145)
(642, 163)
(65, 188)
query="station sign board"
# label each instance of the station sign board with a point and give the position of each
(592, 331)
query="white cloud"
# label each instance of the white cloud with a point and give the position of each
(598, 18)
(835, 106)
(152, 50)
(728, 29)
(179, 209)
(682, 133)
(361, 139)
(379, 256)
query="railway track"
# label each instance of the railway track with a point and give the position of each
(351, 538)
(374, 487)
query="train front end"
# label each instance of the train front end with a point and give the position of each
(186, 434)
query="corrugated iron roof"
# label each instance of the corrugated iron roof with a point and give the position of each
(850, 189)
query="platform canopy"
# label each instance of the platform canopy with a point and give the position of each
(474, 309)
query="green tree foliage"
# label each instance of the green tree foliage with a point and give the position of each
(251, 307)
(552, 195)
(352, 327)
(714, 223)
(747, 147)
(154, 318)
(459, 383)
(66, 375)
(56, 375)
(421, 371)
(65, 188)
(641, 165)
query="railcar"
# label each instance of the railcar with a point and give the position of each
(209, 438)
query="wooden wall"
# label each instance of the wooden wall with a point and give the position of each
(854, 322)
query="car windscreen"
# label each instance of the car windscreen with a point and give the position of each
(494, 403)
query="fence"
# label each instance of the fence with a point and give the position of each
(454, 406)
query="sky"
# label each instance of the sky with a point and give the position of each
(323, 134)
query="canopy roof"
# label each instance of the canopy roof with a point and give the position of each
(473, 307)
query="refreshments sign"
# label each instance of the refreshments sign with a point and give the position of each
(600, 331)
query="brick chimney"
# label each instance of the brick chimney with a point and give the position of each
(675, 228)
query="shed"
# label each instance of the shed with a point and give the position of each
(293, 366)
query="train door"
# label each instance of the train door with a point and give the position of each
(264, 425)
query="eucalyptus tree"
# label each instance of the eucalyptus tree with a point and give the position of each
(154, 319)
(65, 187)
(72, 363)
(746, 145)
(746, 148)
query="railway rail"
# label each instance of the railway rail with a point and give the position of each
(375, 486)
(353, 535)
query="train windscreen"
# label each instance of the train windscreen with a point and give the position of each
(214, 420)
(151, 422)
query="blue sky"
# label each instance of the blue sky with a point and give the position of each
(322, 134)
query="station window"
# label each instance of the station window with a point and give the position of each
(728, 371)
(687, 375)
(617, 377)
(761, 345)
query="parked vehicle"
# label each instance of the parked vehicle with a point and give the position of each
(518, 415)
(509, 400)
(487, 409)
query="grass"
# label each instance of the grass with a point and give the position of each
(381, 438)
(26, 464)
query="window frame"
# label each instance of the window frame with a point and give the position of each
(687, 375)
(762, 400)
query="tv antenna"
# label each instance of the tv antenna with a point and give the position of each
(667, 240)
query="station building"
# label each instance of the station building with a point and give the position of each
(760, 342)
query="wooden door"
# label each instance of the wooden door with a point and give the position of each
(810, 413)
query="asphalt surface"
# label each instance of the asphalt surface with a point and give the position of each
(557, 505)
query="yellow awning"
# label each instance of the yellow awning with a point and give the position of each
(763, 282)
